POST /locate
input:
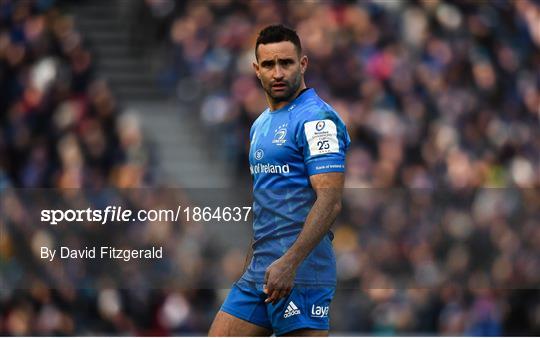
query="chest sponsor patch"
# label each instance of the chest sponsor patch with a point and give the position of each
(321, 136)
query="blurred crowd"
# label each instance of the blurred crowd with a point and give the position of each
(60, 125)
(433, 92)
(439, 233)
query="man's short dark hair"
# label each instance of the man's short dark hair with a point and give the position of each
(278, 33)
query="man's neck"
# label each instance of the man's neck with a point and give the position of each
(278, 105)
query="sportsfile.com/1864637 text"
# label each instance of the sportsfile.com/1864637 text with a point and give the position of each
(121, 214)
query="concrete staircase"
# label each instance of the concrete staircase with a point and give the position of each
(182, 146)
(129, 65)
(107, 26)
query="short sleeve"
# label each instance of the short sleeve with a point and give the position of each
(324, 141)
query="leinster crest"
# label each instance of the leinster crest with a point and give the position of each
(279, 135)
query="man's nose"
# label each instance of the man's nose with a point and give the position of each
(278, 72)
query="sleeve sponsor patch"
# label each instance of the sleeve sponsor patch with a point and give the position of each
(321, 135)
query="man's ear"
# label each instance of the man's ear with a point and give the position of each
(256, 69)
(303, 63)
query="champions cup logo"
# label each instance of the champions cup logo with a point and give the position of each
(320, 125)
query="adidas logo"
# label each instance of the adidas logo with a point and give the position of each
(292, 310)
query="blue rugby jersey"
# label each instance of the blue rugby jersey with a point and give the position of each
(304, 138)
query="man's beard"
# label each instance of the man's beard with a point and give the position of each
(288, 94)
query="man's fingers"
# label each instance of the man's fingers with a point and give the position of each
(266, 288)
(282, 293)
(286, 292)
(277, 297)
(272, 297)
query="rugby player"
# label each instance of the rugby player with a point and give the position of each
(297, 161)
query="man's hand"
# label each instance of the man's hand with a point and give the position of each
(279, 280)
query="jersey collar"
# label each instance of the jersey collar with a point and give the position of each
(293, 102)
